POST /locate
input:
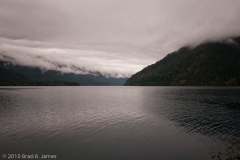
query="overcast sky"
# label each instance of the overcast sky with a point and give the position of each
(110, 36)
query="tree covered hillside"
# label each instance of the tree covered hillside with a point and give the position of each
(213, 64)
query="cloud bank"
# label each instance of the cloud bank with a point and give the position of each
(115, 37)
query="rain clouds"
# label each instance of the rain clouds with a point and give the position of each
(115, 37)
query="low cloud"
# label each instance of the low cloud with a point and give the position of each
(117, 37)
(68, 60)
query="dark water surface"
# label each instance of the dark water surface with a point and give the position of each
(122, 123)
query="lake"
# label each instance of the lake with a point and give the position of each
(116, 123)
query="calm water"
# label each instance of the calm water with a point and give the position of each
(111, 123)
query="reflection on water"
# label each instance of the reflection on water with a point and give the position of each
(118, 122)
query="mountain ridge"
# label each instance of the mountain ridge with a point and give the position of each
(23, 75)
(210, 64)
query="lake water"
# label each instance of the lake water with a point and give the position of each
(118, 123)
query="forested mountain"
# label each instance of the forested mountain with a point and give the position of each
(212, 64)
(22, 75)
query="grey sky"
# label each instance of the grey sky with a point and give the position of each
(111, 36)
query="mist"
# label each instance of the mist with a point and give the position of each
(114, 37)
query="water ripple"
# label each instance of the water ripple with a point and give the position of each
(120, 122)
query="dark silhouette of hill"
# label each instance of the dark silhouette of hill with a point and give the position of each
(211, 64)
(22, 75)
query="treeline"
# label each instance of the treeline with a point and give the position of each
(38, 83)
